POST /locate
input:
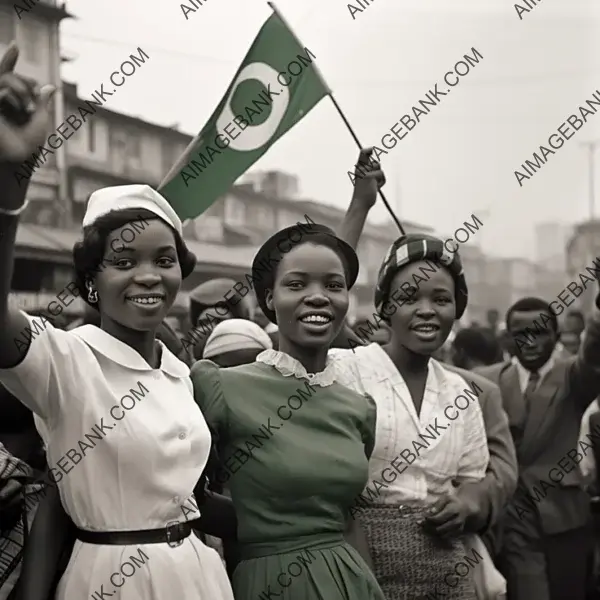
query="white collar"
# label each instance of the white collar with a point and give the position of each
(290, 367)
(125, 355)
(524, 374)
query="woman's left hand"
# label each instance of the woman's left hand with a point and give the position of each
(447, 517)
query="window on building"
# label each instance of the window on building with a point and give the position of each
(92, 132)
(134, 144)
(31, 40)
(235, 211)
(7, 24)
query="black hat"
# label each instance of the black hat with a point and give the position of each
(272, 251)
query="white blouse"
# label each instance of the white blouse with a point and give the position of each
(416, 458)
(127, 445)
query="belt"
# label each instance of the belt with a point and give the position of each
(173, 534)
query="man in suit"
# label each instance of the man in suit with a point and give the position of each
(546, 529)
(482, 503)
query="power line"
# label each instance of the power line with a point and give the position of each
(524, 80)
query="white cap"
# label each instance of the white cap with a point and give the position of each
(236, 334)
(122, 197)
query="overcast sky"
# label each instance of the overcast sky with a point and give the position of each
(459, 160)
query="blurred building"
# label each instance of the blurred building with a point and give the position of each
(111, 148)
(583, 252)
(550, 242)
(262, 203)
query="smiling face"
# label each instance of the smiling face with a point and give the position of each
(309, 296)
(139, 280)
(426, 307)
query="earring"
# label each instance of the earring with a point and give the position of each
(92, 293)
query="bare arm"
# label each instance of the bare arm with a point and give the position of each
(368, 179)
(17, 143)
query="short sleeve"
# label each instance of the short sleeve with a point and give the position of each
(42, 379)
(368, 425)
(208, 392)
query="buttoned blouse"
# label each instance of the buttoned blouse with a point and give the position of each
(126, 443)
(447, 440)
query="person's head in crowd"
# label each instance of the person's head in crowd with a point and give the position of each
(533, 328)
(236, 342)
(217, 300)
(421, 291)
(507, 344)
(211, 303)
(571, 340)
(474, 348)
(574, 321)
(131, 261)
(307, 292)
(492, 317)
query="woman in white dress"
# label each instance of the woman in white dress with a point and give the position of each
(430, 434)
(125, 440)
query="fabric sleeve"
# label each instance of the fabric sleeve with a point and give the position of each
(368, 425)
(475, 455)
(346, 366)
(41, 380)
(208, 392)
(488, 497)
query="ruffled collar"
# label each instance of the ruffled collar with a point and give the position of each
(290, 367)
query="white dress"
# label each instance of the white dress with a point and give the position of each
(127, 444)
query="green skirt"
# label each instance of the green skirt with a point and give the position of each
(320, 567)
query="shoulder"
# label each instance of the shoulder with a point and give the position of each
(492, 372)
(472, 378)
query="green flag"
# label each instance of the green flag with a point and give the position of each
(276, 85)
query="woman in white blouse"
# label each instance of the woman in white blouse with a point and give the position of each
(125, 440)
(430, 433)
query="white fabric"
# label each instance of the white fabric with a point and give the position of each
(524, 374)
(489, 582)
(459, 449)
(136, 477)
(290, 367)
(236, 334)
(120, 197)
(587, 466)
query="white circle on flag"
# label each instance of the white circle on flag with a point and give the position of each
(256, 136)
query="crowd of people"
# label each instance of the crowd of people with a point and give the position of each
(271, 451)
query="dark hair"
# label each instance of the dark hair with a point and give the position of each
(88, 254)
(478, 344)
(529, 304)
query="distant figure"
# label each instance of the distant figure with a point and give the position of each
(570, 340)
(210, 303)
(236, 342)
(575, 321)
(473, 348)
(493, 319)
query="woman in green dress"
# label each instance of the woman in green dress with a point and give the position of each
(294, 444)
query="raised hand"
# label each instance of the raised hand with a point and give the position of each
(25, 113)
(369, 178)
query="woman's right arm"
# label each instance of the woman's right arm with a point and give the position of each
(368, 179)
(17, 143)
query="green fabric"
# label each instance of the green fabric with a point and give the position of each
(255, 112)
(293, 479)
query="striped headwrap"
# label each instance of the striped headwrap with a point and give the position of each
(414, 247)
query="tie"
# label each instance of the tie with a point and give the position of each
(534, 379)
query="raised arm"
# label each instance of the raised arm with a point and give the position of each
(20, 102)
(368, 179)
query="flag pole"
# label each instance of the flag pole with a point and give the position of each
(338, 108)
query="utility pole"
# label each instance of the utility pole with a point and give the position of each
(591, 148)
